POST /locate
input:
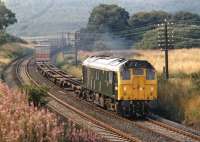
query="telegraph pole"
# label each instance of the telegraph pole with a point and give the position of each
(68, 39)
(165, 41)
(63, 43)
(73, 39)
(77, 40)
(63, 40)
(166, 51)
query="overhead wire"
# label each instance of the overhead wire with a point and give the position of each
(128, 32)
(137, 31)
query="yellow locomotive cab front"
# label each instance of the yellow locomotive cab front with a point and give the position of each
(139, 84)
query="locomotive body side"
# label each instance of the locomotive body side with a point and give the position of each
(99, 81)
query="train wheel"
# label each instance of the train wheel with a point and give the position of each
(80, 93)
(119, 108)
(90, 97)
(101, 101)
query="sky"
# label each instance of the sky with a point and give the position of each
(73, 14)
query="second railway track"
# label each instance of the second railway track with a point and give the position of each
(120, 129)
(106, 132)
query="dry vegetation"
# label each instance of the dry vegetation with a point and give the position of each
(180, 61)
(67, 64)
(179, 98)
(11, 50)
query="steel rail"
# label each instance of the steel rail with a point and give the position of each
(91, 119)
(163, 125)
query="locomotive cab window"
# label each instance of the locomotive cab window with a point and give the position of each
(138, 71)
(150, 74)
(125, 74)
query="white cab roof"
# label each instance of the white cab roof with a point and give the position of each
(105, 63)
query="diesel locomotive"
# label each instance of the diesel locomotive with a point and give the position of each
(124, 86)
(116, 84)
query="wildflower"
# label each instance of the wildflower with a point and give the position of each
(21, 121)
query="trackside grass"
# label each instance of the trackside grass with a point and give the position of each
(179, 97)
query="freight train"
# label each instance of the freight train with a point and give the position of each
(116, 84)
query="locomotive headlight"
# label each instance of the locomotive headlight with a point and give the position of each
(116, 88)
(125, 88)
(152, 89)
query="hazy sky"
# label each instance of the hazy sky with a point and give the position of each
(73, 14)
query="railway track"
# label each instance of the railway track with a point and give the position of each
(161, 129)
(184, 131)
(105, 131)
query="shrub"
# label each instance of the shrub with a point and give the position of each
(192, 113)
(68, 65)
(5, 38)
(170, 100)
(36, 95)
(21, 122)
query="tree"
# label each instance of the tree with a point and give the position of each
(108, 18)
(186, 18)
(142, 19)
(7, 17)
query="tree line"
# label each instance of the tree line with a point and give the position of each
(7, 18)
(118, 24)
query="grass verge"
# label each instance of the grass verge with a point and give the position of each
(179, 97)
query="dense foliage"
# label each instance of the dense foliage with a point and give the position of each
(110, 26)
(142, 19)
(7, 38)
(186, 36)
(7, 17)
(108, 18)
(36, 96)
(103, 28)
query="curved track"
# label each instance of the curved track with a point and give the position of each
(153, 129)
(105, 131)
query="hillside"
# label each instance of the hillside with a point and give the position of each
(11, 51)
(37, 17)
(185, 37)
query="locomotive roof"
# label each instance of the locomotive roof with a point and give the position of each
(113, 64)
